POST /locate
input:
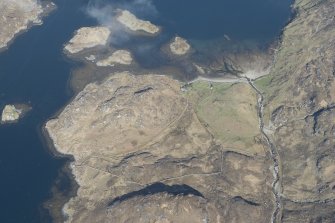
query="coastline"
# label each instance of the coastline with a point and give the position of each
(56, 204)
(53, 206)
(58, 213)
(41, 167)
(48, 7)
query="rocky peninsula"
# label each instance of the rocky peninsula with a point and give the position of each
(247, 149)
(131, 22)
(17, 16)
(137, 124)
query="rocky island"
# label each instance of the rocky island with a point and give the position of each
(88, 37)
(255, 149)
(179, 46)
(17, 16)
(12, 113)
(131, 22)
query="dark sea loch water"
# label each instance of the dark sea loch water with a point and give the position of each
(259, 20)
(34, 70)
(207, 25)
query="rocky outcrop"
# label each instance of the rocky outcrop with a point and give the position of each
(139, 143)
(88, 37)
(131, 22)
(17, 16)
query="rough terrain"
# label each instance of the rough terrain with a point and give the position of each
(144, 131)
(299, 111)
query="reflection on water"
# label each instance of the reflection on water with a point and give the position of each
(156, 188)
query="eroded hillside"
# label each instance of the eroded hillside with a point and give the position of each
(300, 109)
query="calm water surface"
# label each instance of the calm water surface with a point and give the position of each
(207, 25)
(259, 20)
(33, 70)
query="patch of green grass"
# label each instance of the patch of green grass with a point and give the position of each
(206, 86)
(230, 112)
(263, 82)
(200, 90)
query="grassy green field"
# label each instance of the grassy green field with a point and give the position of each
(230, 113)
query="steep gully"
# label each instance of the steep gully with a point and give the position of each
(276, 184)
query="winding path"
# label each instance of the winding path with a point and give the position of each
(219, 80)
